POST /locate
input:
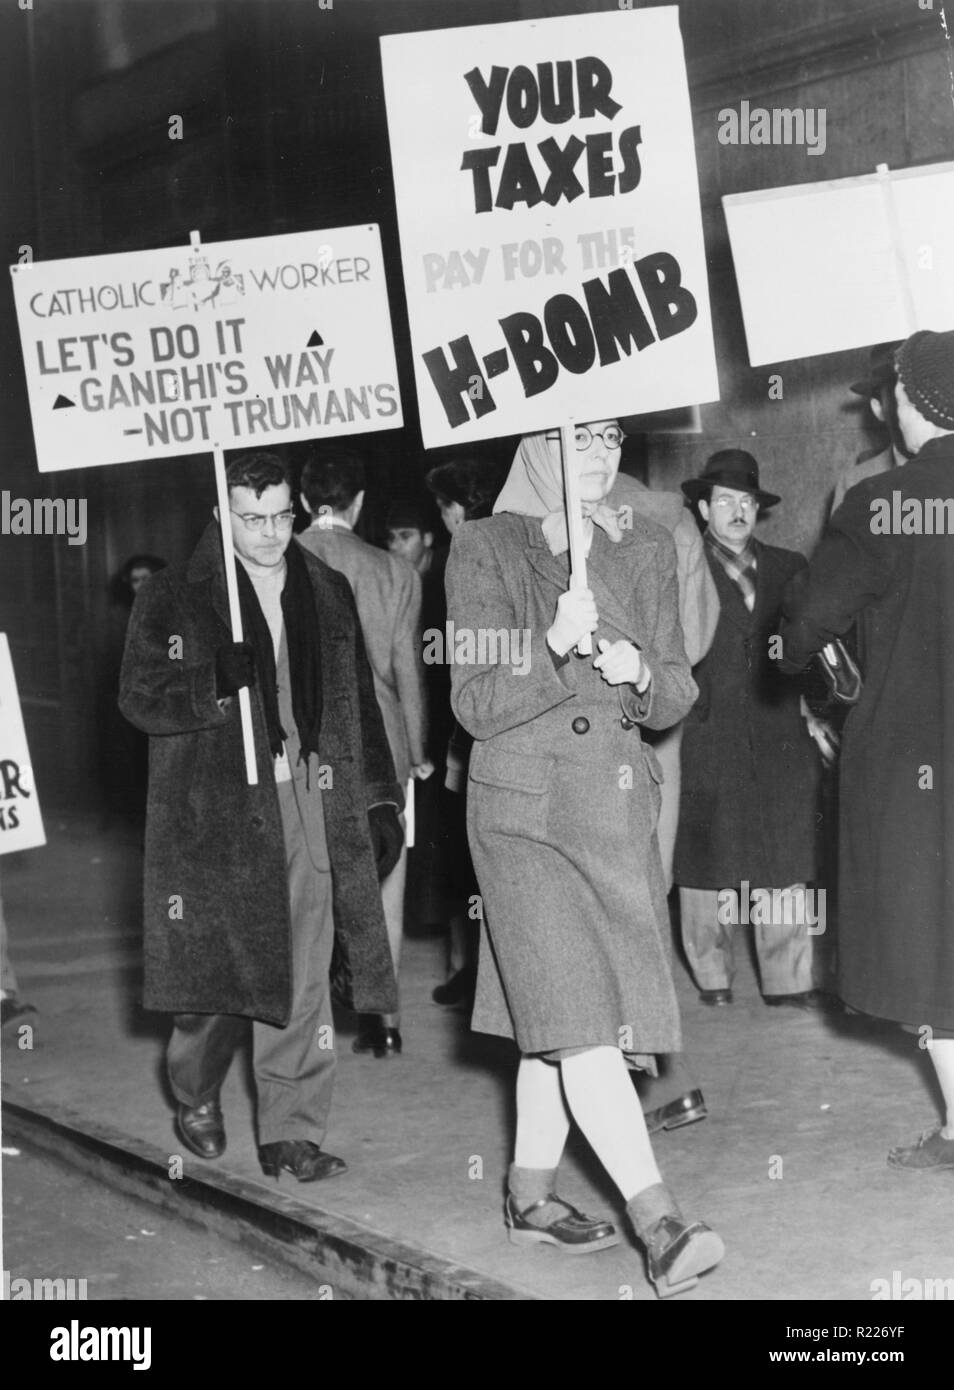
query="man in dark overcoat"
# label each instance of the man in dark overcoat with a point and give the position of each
(750, 771)
(887, 564)
(250, 890)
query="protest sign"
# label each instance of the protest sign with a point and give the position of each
(21, 826)
(150, 354)
(853, 261)
(550, 224)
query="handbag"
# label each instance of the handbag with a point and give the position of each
(840, 672)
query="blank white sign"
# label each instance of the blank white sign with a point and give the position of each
(826, 267)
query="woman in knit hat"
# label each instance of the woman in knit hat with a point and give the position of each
(563, 801)
(896, 853)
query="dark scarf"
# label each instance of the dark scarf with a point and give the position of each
(303, 635)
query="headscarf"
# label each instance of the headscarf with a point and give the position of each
(534, 487)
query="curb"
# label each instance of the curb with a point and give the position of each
(355, 1261)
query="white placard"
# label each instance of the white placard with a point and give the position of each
(151, 354)
(21, 825)
(826, 267)
(550, 225)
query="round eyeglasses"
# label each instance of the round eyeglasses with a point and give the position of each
(583, 436)
(744, 504)
(254, 521)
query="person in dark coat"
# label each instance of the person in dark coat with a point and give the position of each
(886, 563)
(750, 781)
(250, 890)
(563, 803)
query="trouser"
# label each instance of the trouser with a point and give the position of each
(294, 1066)
(392, 901)
(784, 948)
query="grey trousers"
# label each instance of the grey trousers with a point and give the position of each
(784, 950)
(294, 1066)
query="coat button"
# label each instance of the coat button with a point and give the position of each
(580, 725)
(627, 723)
(258, 822)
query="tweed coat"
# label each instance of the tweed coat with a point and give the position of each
(215, 842)
(387, 592)
(562, 819)
(750, 770)
(896, 846)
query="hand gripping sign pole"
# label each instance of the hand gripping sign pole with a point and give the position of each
(574, 523)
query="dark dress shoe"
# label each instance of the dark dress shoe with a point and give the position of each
(716, 997)
(374, 1037)
(12, 1008)
(808, 999)
(201, 1129)
(459, 989)
(574, 1233)
(684, 1110)
(300, 1157)
(678, 1251)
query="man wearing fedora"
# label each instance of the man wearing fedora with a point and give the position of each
(750, 773)
(877, 389)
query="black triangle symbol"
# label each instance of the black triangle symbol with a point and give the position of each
(64, 403)
(316, 340)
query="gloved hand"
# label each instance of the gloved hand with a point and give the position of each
(234, 667)
(387, 837)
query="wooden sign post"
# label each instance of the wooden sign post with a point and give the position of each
(235, 611)
(574, 522)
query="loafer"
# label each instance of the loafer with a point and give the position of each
(202, 1129)
(808, 999)
(300, 1157)
(931, 1153)
(678, 1251)
(684, 1110)
(716, 997)
(374, 1037)
(574, 1233)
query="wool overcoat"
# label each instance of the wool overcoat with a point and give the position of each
(896, 849)
(750, 769)
(214, 845)
(563, 795)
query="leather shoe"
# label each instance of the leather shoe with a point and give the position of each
(931, 1153)
(684, 1110)
(574, 1234)
(808, 999)
(459, 989)
(716, 997)
(300, 1157)
(678, 1251)
(202, 1129)
(374, 1037)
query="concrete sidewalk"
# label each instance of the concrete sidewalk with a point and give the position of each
(814, 1100)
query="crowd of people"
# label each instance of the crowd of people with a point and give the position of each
(559, 797)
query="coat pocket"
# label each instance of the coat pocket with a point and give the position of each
(509, 791)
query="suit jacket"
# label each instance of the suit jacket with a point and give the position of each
(387, 592)
(215, 843)
(698, 598)
(865, 466)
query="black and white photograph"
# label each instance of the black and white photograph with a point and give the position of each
(477, 666)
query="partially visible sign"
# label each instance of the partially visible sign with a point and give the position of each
(21, 826)
(151, 354)
(551, 232)
(824, 267)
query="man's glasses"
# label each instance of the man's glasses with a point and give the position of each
(254, 521)
(745, 504)
(583, 437)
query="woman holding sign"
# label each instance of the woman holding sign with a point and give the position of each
(563, 800)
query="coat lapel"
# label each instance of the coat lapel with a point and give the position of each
(615, 605)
